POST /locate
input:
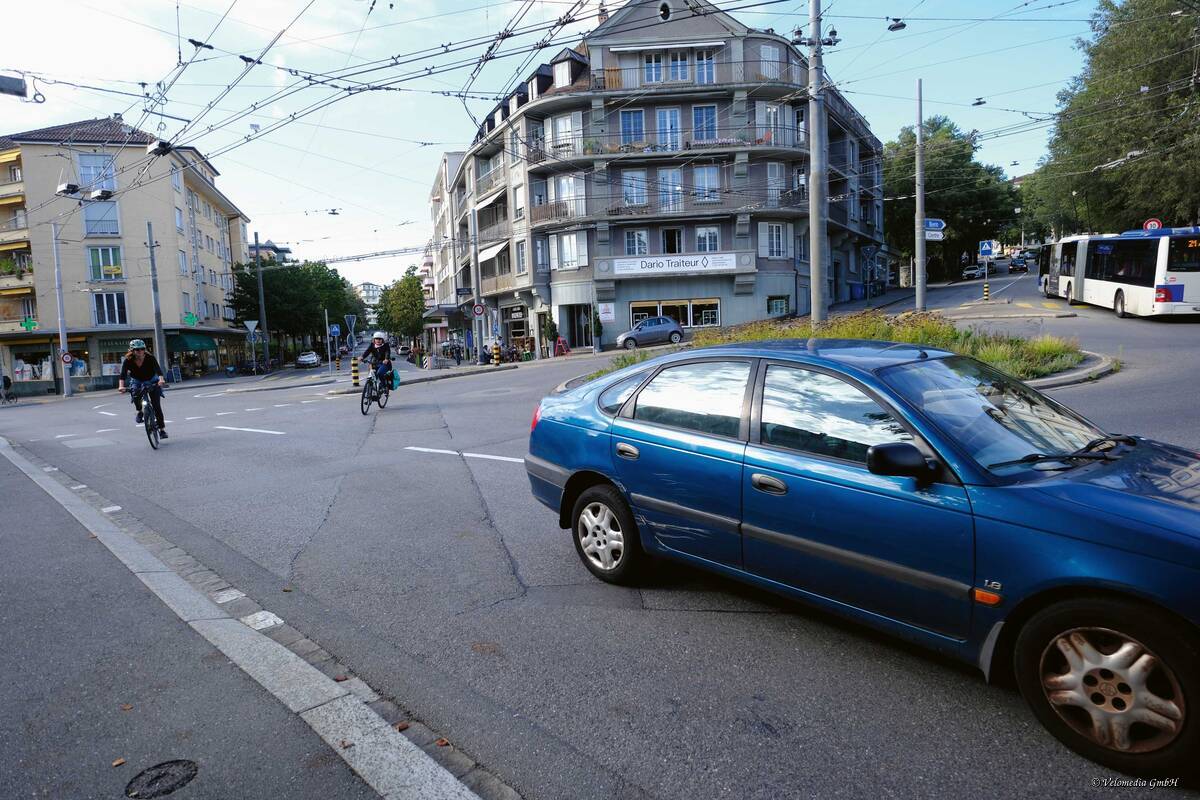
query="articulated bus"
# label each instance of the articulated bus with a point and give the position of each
(1140, 273)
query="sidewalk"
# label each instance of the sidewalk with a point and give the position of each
(99, 671)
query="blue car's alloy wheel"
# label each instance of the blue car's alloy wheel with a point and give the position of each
(605, 534)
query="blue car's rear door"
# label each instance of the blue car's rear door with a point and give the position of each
(677, 451)
(815, 518)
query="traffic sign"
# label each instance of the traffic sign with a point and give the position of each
(350, 320)
(1152, 224)
(934, 224)
(985, 249)
(935, 236)
(66, 358)
(351, 342)
(465, 291)
(251, 324)
(335, 330)
(478, 309)
(253, 337)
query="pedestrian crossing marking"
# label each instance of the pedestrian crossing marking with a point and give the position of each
(1050, 305)
(1025, 305)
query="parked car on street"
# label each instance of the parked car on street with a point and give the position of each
(971, 272)
(652, 330)
(307, 360)
(992, 269)
(405, 349)
(920, 492)
(1018, 264)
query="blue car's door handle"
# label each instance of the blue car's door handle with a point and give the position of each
(765, 483)
(627, 451)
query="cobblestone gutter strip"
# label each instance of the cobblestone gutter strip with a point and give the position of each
(396, 755)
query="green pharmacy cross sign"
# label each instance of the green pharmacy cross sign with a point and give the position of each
(191, 319)
(29, 323)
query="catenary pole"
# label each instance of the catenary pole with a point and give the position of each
(262, 308)
(818, 168)
(919, 220)
(62, 320)
(160, 342)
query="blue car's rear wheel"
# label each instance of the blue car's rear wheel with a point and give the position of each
(605, 534)
(1116, 682)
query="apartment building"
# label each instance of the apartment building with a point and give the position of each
(658, 168)
(369, 293)
(270, 251)
(105, 263)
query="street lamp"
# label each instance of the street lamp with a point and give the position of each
(1075, 209)
(897, 24)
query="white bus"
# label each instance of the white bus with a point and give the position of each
(1142, 273)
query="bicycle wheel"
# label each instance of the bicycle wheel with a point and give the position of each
(382, 399)
(151, 425)
(365, 401)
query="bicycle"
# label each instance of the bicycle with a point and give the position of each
(7, 397)
(373, 391)
(149, 417)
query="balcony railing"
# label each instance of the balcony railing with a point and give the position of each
(12, 188)
(491, 284)
(838, 213)
(653, 203)
(485, 183)
(667, 142)
(693, 74)
(495, 231)
(14, 230)
(569, 208)
(16, 278)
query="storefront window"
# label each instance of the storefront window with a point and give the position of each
(79, 363)
(678, 311)
(706, 312)
(33, 365)
(641, 311)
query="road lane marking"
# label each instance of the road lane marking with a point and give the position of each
(248, 430)
(110, 509)
(105, 430)
(225, 413)
(189, 419)
(433, 450)
(49, 469)
(1025, 305)
(494, 458)
(310, 401)
(80, 486)
(108, 413)
(215, 394)
(281, 405)
(259, 408)
(487, 456)
(65, 435)
(102, 405)
(1050, 305)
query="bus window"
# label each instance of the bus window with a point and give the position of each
(1183, 254)
(1130, 261)
(1067, 264)
(1044, 260)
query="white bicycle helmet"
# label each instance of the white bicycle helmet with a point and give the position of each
(379, 335)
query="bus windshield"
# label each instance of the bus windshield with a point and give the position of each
(1183, 254)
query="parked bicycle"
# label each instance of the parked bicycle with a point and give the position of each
(7, 395)
(374, 390)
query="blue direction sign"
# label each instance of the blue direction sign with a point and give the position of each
(934, 224)
(985, 249)
(335, 330)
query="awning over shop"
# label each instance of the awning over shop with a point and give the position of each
(491, 252)
(441, 312)
(179, 342)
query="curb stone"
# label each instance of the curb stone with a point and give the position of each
(1094, 367)
(218, 621)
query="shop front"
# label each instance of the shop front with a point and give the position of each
(514, 327)
(36, 367)
(194, 353)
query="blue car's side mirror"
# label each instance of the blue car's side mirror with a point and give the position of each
(900, 459)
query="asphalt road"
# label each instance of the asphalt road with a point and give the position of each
(438, 579)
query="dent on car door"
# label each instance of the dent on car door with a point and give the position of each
(677, 450)
(816, 519)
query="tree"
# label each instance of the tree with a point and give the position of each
(1125, 145)
(296, 297)
(401, 307)
(974, 199)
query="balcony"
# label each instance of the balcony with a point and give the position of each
(12, 189)
(15, 280)
(488, 182)
(695, 76)
(651, 144)
(15, 229)
(838, 213)
(495, 232)
(491, 284)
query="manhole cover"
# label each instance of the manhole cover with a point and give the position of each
(162, 779)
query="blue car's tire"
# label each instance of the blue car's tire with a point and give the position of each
(1117, 682)
(606, 536)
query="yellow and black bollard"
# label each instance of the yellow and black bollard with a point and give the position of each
(338, 362)
(986, 295)
(354, 370)
(495, 355)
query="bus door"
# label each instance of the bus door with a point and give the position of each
(1067, 271)
(1047, 277)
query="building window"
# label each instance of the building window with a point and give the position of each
(212, 277)
(679, 66)
(775, 243)
(521, 267)
(519, 202)
(183, 267)
(14, 174)
(100, 219)
(562, 73)
(652, 68)
(704, 123)
(800, 130)
(109, 308)
(770, 62)
(800, 183)
(533, 90)
(706, 313)
(672, 241)
(670, 189)
(104, 264)
(179, 218)
(540, 256)
(708, 239)
(177, 179)
(776, 182)
(706, 181)
(705, 67)
(514, 144)
(698, 313)
(96, 172)
(633, 127)
(777, 304)
(636, 243)
(667, 121)
(568, 257)
(633, 187)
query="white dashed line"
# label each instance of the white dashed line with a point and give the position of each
(189, 419)
(110, 509)
(77, 488)
(65, 435)
(248, 430)
(49, 469)
(433, 450)
(106, 430)
(225, 413)
(281, 405)
(258, 408)
(108, 413)
(310, 401)
(494, 458)
(102, 405)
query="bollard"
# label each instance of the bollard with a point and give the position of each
(338, 362)
(495, 355)
(354, 370)
(986, 296)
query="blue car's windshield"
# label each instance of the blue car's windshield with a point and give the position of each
(993, 417)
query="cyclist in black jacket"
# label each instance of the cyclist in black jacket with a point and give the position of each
(141, 369)
(379, 352)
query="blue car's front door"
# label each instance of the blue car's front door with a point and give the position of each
(678, 451)
(815, 518)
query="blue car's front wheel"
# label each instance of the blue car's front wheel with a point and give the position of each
(605, 534)
(1116, 681)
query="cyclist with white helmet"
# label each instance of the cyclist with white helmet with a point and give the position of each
(379, 353)
(141, 369)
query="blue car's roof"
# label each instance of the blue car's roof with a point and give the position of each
(864, 354)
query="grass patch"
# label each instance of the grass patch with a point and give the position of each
(1023, 358)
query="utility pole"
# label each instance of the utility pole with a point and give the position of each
(328, 346)
(262, 308)
(160, 342)
(62, 320)
(919, 222)
(477, 323)
(818, 184)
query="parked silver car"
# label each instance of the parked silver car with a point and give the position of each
(652, 330)
(308, 359)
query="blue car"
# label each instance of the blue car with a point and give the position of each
(917, 491)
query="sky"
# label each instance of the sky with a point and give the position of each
(371, 156)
